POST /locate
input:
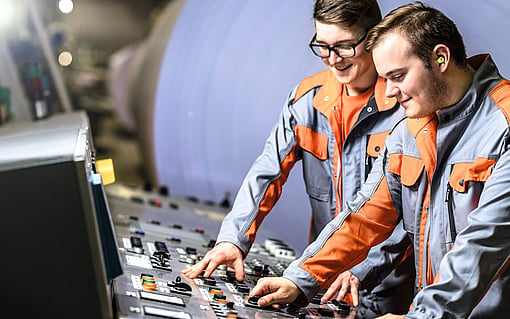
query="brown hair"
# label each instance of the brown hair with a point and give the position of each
(365, 13)
(424, 27)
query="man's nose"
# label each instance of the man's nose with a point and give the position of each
(391, 89)
(334, 57)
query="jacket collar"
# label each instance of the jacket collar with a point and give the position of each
(331, 90)
(383, 102)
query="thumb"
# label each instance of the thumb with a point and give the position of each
(266, 300)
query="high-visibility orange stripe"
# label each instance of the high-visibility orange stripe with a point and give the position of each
(421, 244)
(349, 244)
(426, 144)
(430, 274)
(272, 194)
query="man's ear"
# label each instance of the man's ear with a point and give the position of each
(441, 54)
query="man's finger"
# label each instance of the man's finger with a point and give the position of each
(329, 293)
(343, 291)
(239, 269)
(355, 296)
(211, 266)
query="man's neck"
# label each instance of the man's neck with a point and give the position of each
(365, 83)
(459, 81)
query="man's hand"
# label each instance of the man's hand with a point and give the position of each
(345, 283)
(390, 316)
(275, 291)
(222, 254)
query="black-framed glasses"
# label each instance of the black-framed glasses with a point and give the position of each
(342, 50)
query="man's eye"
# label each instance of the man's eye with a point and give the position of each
(397, 77)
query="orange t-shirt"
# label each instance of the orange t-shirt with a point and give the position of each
(348, 110)
(346, 115)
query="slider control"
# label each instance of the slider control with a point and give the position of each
(179, 286)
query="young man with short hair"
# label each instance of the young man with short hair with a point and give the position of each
(444, 173)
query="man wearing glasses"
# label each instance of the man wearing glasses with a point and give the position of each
(335, 122)
(444, 173)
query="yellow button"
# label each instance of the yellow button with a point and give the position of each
(105, 168)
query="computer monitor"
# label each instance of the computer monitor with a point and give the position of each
(59, 250)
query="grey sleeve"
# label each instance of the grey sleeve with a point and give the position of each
(265, 170)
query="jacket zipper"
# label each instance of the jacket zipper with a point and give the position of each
(451, 217)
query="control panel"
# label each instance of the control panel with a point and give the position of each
(160, 235)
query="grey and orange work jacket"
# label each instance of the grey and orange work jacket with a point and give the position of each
(447, 177)
(306, 132)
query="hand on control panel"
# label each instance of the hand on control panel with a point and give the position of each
(275, 291)
(222, 254)
(391, 316)
(345, 283)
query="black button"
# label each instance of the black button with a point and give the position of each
(325, 312)
(210, 281)
(253, 300)
(191, 250)
(243, 289)
(377, 148)
(461, 182)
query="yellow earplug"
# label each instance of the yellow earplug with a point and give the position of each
(440, 59)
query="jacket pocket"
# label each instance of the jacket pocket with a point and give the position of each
(465, 173)
(312, 142)
(407, 167)
(376, 143)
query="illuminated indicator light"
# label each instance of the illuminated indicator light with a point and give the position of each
(144, 280)
(215, 291)
(9, 14)
(149, 286)
(156, 202)
(65, 58)
(65, 6)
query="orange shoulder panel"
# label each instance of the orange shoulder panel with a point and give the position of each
(311, 82)
(500, 94)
